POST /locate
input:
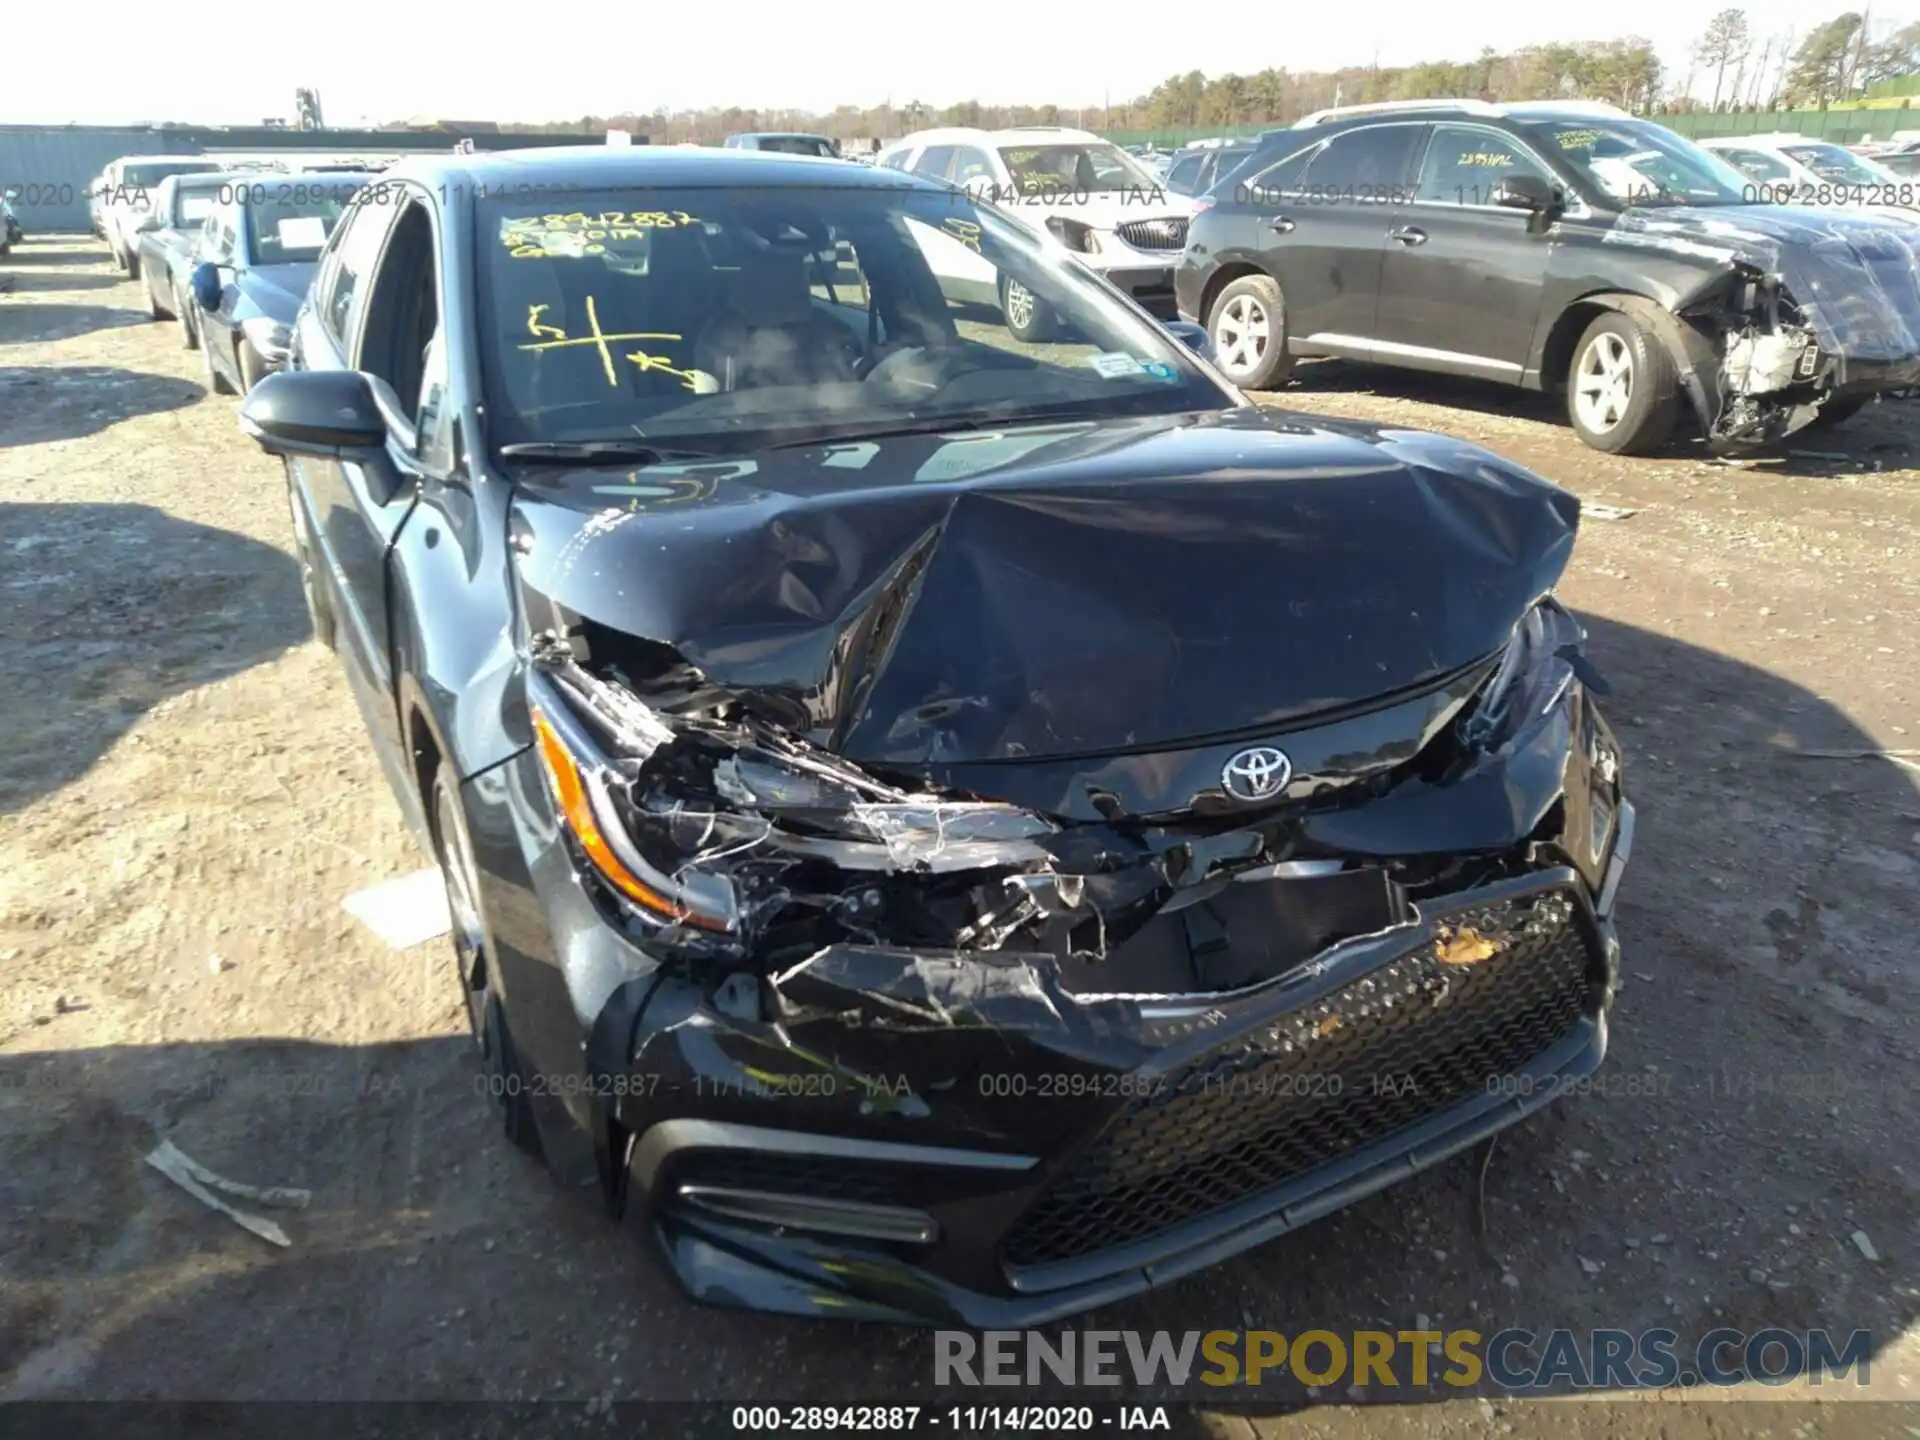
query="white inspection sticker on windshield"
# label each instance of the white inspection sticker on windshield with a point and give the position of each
(1114, 365)
(302, 232)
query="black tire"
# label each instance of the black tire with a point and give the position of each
(319, 608)
(189, 330)
(154, 308)
(1248, 325)
(131, 264)
(217, 384)
(1030, 319)
(506, 1077)
(1837, 412)
(1623, 393)
(252, 367)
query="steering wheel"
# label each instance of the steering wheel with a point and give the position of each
(918, 370)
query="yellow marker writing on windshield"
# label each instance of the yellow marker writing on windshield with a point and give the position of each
(534, 327)
(599, 339)
(662, 363)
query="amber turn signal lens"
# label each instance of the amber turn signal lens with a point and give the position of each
(570, 790)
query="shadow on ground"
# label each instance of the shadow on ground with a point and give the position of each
(89, 623)
(21, 283)
(42, 324)
(434, 1262)
(65, 402)
(1878, 437)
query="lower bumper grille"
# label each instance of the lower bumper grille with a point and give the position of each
(1501, 984)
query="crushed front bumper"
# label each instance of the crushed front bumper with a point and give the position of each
(938, 1149)
(1149, 286)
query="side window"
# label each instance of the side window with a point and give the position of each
(1365, 164)
(399, 342)
(1262, 186)
(896, 161)
(1465, 164)
(935, 162)
(1755, 165)
(365, 227)
(1182, 178)
(971, 164)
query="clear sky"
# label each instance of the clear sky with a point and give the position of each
(111, 61)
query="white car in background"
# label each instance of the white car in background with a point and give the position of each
(1095, 199)
(1800, 170)
(123, 196)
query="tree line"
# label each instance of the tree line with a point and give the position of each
(1835, 61)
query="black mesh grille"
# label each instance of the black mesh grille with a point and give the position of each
(1167, 234)
(809, 1176)
(1500, 985)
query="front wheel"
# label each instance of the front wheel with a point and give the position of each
(505, 1076)
(1029, 319)
(1248, 324)
(217, 384)
(1623, 394)
(189, 333)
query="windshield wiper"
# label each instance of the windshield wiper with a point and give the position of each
(597, 452)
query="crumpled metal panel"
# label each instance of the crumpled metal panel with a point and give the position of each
(1116, 587)
(1856, 276)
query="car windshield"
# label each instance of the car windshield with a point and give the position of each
(1842, 167)
(727, 319)
(795, 145)
(1085, 167)
(191, 206)
(150, 173)
(1639, 163)
(292, 228)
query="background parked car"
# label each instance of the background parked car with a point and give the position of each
(255, 260)
(1796, 169)
(169, 237)
(125, 193)
(1196, 169)
(785, 142)
(1091, 195)
(1557, 245)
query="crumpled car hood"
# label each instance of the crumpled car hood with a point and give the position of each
(1857, 274)
(1058, 590)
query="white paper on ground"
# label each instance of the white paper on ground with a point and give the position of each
(403, 912)
(198, 1181)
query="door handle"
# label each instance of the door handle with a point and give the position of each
(1408, 235)
(1280, 225)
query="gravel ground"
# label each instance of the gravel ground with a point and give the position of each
(187, 795)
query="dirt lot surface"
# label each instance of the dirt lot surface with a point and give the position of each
(187, 795)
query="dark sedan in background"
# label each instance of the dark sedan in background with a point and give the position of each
(944, 827)
(255, 260)
(169, 239)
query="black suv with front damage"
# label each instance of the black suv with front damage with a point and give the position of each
(945, 827)
(1560, 246)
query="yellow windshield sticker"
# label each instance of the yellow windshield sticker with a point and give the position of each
(602, 341)
(967, 232)
(577, 234)
(1490, 159)
(1577, 139)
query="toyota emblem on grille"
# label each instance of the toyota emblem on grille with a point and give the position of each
(1257, 774)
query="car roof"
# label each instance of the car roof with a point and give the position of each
(1023, 135)
(1760, 142)
(593, 167)
(776, 135)
(163, 160)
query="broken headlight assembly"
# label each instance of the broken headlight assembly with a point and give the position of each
(1541, 661)
(1073, 234)
(697, 821)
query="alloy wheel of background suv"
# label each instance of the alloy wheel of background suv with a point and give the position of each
(1623, 394)
(1249, 329)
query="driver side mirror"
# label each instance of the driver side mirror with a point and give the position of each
(329, 413)
(1194, 337)
(206, 285)
(1525, 192)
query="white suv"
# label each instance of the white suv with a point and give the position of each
(1089, 194)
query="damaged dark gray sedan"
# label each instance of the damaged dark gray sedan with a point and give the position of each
(954, 829)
